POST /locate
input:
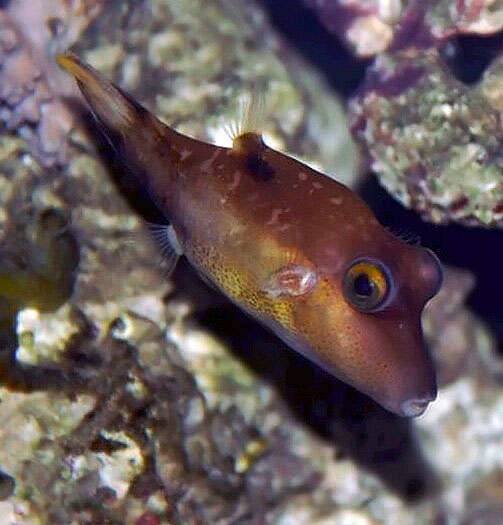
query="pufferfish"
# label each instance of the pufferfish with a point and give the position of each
(295, 249)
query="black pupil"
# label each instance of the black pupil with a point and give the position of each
(363, 285)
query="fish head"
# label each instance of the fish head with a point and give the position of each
(377, 301)
(362, 322)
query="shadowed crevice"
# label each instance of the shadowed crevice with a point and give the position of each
(359, 428)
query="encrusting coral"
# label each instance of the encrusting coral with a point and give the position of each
(371, 27)
(433, 142)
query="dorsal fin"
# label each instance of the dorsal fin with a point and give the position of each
(250, 115)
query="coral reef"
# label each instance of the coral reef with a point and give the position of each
(434, 143)
(124, 398)
(367, 26)
(31, 31)
(371, 27)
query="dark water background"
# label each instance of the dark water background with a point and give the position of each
(476, 249)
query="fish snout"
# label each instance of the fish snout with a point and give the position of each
(416, 406)
(412, 385)
(414, 401)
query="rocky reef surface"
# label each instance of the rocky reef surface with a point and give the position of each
(371, 27)
(125, 398)
(433, 141)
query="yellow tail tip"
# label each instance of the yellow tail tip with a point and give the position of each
(67, 61)
(107, 102)
(76, 67)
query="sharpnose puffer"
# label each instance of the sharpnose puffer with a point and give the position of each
(295, 249)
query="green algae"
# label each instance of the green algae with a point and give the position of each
(47, 284)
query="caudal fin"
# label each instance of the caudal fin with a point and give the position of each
(112, 107)
(150, 150)
(143, 143)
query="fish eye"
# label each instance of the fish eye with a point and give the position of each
(366, 285)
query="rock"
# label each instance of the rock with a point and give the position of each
(32, 31)
(433, 142)
(371, 27)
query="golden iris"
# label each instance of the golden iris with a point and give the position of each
(366, 285)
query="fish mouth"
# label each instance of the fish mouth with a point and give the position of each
(410, 405)
(415, 407)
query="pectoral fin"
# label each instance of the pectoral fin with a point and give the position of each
(165, 236)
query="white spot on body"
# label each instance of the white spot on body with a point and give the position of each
(336, 200)
(207, 165)
(185, 154)
(274, 220)
(302, 175)
(335, 261)
(236, 229)
(235, 181)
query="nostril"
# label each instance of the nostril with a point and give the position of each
(415, 407)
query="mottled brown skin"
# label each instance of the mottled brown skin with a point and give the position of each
(243, 214)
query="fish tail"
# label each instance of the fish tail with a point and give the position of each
(143, 143)
(110, 105)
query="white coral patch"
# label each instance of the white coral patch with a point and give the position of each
(122, 466)
(43, 337)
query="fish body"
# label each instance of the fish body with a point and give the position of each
(294, 248)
